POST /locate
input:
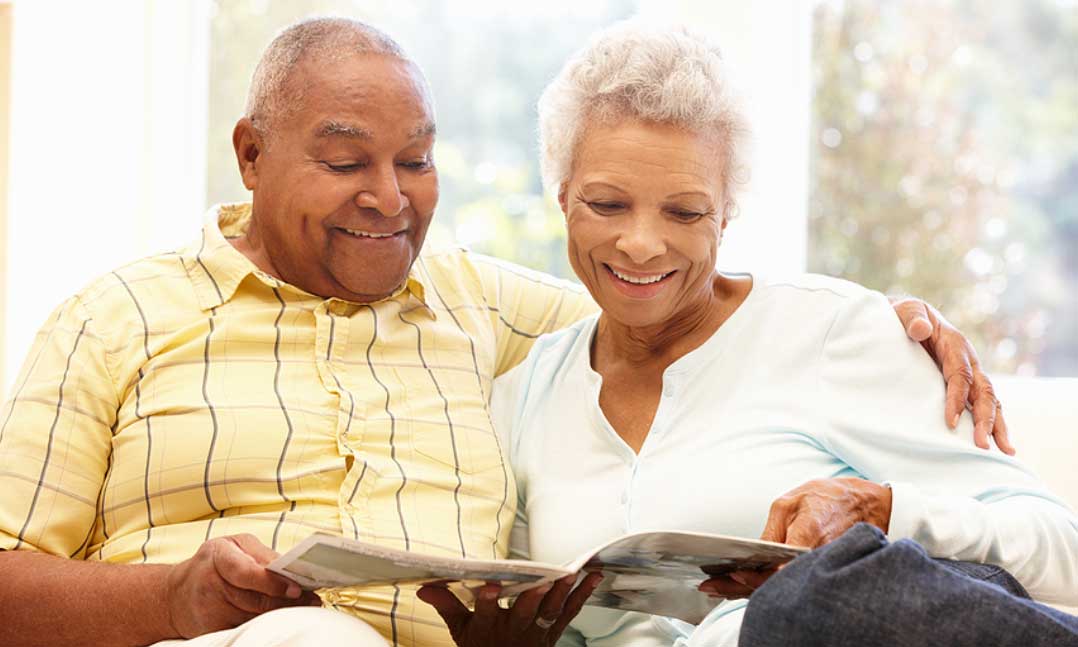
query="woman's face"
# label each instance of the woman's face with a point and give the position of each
(644, 208)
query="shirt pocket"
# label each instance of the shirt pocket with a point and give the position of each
(466, 446)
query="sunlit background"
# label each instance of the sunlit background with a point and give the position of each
(916, 147)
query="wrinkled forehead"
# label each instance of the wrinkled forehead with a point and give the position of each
(351, 95)
(649, 152)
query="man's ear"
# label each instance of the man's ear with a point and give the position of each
(249, 145)
(563, 197)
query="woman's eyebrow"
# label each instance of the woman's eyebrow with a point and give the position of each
(598, 184)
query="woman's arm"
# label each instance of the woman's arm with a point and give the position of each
(881, 412)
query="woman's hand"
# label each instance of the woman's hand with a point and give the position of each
(967, 385)
(810, 515)
(536, 619)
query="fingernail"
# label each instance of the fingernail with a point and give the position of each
(954, 421)
(293, 591)
(740, 579)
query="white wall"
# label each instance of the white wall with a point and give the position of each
(107, 146)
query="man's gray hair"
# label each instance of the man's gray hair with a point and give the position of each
(630, 70)
(271, 96)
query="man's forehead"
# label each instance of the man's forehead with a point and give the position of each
(349, 96)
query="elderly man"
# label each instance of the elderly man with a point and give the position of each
(299, 368)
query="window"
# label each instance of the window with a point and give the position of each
(944, 163)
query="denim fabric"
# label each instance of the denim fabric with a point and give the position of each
(860, 591)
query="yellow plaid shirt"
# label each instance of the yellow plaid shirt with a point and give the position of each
(189, 395)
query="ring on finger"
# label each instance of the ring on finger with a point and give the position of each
(543, 623)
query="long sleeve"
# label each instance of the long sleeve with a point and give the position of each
(55, 438)
(882, 403)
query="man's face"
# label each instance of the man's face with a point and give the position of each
(345, 185)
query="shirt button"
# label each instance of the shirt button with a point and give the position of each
(624, 498)
(668, 390)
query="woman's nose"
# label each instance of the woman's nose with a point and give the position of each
(640, 240)
(383, 194)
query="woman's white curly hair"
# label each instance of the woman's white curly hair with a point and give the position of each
(634, 71)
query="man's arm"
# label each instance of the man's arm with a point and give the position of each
(524, 304)
(49, 600)
(55, 442)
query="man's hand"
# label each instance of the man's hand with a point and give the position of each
(967, 385)
(810, 515)
(226, 584)
(537, 619)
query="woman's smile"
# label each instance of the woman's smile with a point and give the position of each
(638, 285)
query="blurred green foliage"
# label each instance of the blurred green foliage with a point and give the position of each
(945, 164)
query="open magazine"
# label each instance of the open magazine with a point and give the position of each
(652, 572)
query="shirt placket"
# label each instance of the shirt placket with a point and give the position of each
(333, 322)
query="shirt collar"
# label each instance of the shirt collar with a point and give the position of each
(216, 268)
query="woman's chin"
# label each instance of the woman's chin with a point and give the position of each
(635, 314)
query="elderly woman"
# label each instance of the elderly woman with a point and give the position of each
(789, 408)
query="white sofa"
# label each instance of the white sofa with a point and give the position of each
(1042, 415)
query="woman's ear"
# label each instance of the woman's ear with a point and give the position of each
(563, 197)
(248, 145)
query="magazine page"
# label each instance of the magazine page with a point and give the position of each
(658, 572)
(327, 561)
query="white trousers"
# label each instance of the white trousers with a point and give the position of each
(291, 627)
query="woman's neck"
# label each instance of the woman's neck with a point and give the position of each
(660, 345)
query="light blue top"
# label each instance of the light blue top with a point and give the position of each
(810, 378)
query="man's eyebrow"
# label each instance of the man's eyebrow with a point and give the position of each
(426, 130)
(338, 129)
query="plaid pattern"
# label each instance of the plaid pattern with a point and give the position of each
(189, 395)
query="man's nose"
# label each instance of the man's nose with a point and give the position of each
(641, 239)
(383, 194)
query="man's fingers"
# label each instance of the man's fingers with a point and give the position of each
(958, 384)
(915, 320)
(249, 544)
(255, 603)
(239, 568)
(1001, 434)
(575, 602)
(987, 415)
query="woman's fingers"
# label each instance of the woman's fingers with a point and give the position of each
(553, 602)
(486, 609)
(452, 610)
(724, 586)
(522, 615)
(575, 603)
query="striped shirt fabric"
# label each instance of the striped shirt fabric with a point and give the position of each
(190, 395)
